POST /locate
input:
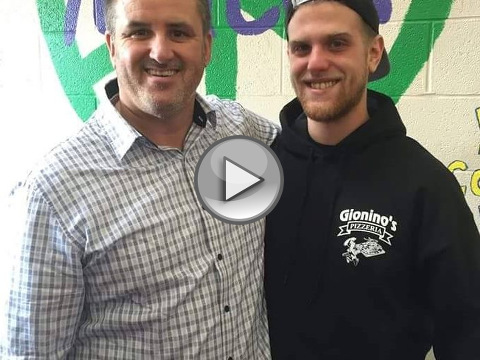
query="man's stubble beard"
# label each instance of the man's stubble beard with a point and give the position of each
(329, 113)
(164, 110)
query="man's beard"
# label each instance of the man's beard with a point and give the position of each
(328, 113)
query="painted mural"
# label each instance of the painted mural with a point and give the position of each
(472, 186)
(422, 25)
(228, 22)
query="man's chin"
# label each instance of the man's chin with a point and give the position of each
(319, 112)
(164, 107)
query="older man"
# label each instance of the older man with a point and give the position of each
(115, 257)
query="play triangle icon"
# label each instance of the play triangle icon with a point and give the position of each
(238, 179)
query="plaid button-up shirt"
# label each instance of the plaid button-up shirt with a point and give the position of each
(113, 256)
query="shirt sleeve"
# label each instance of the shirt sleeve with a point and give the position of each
(451, 269)
(43, 293)
(260, 127)
(248, 123)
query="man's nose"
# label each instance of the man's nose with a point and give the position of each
(161, 48)
(318, 59)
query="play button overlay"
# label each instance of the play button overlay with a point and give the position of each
(238, 180)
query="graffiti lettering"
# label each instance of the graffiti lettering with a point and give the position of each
(71, 19)
(233, 13)
(255, 27)
(99, 16)
(459, 165)
(477, 111)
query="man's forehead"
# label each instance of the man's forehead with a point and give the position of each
(147, 11)
(134, 5)
(310, 38)
(128, 4)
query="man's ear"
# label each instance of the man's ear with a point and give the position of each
(375, 53)
(109, 40)
(207, 48)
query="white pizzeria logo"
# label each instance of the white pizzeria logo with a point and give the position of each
(377, 229)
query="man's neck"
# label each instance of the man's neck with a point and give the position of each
(333, 132)
(169, 129)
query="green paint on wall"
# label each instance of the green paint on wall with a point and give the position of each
(411, 50)
(221, 74)
(77, 75)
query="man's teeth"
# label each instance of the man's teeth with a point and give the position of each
(163, 73)
(322, 85)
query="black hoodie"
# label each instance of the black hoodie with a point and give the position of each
(371, 252)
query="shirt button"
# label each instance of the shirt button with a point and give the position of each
(227, 308)
(220, 257)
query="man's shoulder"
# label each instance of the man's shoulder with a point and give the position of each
(78, 147)
(232, 118)
(76, 153)
(424, 166)
(224, 108)
(421, 156)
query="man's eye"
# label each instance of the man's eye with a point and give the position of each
(139, 33)
(337, 44)
(299, 49)
(178, 34)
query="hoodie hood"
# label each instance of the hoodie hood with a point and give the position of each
(384, 122)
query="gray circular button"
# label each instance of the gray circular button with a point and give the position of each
(238, 179)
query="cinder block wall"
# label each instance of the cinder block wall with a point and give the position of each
(53, 61)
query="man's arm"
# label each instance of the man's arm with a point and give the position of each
(242, 121)
(451, 270)
(261, 127)
(43, 289)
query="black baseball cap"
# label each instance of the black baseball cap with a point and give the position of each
(367, 11)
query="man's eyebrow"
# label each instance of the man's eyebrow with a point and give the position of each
(296, 42)
(137, 24)
(179, 24)
(339, 34)
(324, 37)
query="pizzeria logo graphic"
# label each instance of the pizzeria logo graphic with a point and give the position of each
(377, 230)
(78, 73)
